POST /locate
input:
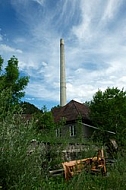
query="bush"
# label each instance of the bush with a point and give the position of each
(18, 168)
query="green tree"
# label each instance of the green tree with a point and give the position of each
(44, 120)
(10, 79)
(108, 110)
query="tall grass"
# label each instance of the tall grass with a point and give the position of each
(18, 168)
(23, 169)
(115, 179)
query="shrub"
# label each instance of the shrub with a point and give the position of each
(18, 168)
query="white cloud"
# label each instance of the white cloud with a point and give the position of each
(42, 92)
(6, 48)
(41, 2)
(111, 8)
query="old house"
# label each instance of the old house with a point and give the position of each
(75, 126)
(73, 120)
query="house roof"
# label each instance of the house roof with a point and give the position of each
(71, 111)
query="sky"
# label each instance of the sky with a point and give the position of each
(94, 32)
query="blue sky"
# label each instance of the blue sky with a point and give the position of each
(95, 45)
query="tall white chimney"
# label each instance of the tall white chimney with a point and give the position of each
(62, 75)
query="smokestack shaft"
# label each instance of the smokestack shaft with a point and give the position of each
(62, 74)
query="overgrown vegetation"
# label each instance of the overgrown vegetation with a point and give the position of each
(25, 162)
(108, 111)
(17, 166)
(25, 166)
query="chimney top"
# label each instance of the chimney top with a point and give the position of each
(61, 41)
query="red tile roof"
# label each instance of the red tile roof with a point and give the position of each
(71, 111)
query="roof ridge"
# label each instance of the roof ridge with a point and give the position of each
(76, 106)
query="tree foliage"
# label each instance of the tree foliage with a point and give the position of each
(10, 79)
(44, 120)
(108, 110)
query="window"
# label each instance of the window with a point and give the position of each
(72, 131)
(58, 132)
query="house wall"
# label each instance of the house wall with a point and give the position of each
(87, 131)
(75, 131)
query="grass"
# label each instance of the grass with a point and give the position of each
(24, 171)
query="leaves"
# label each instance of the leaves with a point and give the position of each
(10, 79)
(1, 63)
(44, 120)
(108, 109)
